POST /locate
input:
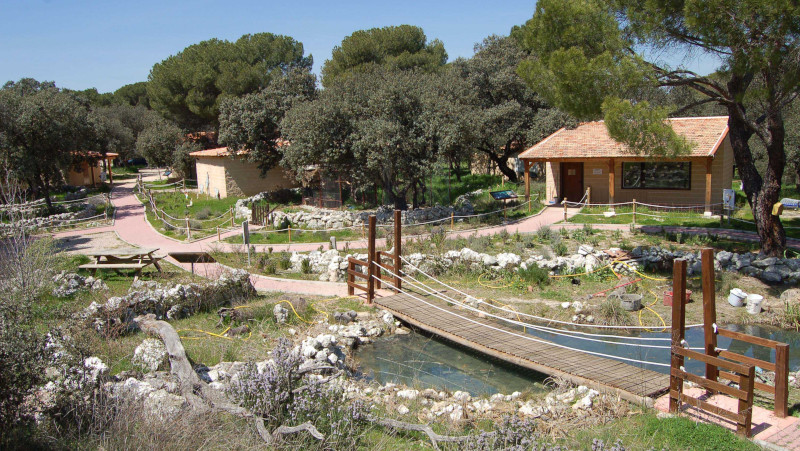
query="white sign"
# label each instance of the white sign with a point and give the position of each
(728, 199)
(597, 171)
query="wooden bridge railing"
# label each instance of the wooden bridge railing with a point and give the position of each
(369, 268)
(735, 367)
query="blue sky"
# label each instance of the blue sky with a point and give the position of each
(107, 44)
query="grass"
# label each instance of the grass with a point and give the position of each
(177, 205)
(646, 431)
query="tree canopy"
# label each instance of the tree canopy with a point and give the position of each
(592, 56)
(43, 130)
(188, 87)
(380, 126)
(396, 47)
(250, 124)
(504, 113)
(159, 141)
(134, 94)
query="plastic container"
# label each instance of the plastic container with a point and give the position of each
(668, 297)
(754, 303)
(736, 297)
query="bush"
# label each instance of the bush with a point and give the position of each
(203, 214)
(276, 396)
(543, 234)
(305, 266)
(612, 313)
(534, 275)
(285, 262)
(560, 249)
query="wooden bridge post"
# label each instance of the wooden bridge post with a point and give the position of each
(782, 380)
(398, 246)
(709, 311)
(678, 331)
(371, 268)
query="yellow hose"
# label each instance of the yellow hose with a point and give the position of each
(648, 307)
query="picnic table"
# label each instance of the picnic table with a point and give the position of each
(124, 258)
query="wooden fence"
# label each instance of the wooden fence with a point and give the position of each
(370, 270)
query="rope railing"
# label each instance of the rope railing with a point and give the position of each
(538, 318)
(560, 332)
(526, 336)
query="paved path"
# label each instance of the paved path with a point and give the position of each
(132, 227)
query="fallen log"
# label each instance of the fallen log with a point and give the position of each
(424, 428)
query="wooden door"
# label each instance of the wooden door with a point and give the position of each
(572, 181)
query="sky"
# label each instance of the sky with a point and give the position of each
(108, 44)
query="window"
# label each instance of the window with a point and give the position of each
(656, 175)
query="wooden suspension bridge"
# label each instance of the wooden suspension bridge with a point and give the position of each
(433, 312)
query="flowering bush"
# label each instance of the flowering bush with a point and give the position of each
(281, 394)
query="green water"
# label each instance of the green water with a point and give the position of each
(421, 361)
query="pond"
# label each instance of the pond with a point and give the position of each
(419, 360)
(422, 361)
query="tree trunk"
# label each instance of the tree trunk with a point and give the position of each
(797, 178)
(46, 192)
(762, 193)
(502, 164)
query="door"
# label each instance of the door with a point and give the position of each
(572, 181)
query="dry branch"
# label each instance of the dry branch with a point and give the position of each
(274, 436)
(435, 438)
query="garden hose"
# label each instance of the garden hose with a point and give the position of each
(480, 281)
(649, 307)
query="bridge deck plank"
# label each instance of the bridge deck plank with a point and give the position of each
(516, 346)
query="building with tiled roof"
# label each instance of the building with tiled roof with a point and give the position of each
(221, 174)
(586, 158)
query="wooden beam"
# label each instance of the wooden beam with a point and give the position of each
(527, 166)
(678, 331)
(611, 181)
(398, 246)
(371, 269)
(709, 310)
(708, 186)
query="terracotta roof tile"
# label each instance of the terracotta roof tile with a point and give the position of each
(591, 140)
(224, 151)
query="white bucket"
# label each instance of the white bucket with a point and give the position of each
(754, 303)
(736, 297)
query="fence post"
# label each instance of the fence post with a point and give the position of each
(782, 380)
(678, 330)
(188, 230)
(452, 225)
(230, 210)
(289, 227)
(565, 209)
(709, 312)
(219, 237)
(184, 184)
(746, 405)
(634, 213)
(398, 247)
(589, 195)
(371, 261)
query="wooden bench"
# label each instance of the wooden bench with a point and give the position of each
(93, 267)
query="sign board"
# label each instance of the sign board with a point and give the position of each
(597, 171)
(728, 199)
(246, 233)
(503, 195)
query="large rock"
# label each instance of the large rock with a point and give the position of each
(150, 355)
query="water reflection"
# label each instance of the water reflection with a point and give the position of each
(422, 361)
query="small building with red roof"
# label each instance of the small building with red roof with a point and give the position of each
(221, 174)
(587, 157)
(90, 169)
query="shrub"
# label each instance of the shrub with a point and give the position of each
(205, 213)
(438, 237)
(612, 313)
(560, 249)
(534, 275)
(305, 266)
(543, 234)
(285, 262)
(616, 235)
(195, 225)
(270, 268)
(588, 229)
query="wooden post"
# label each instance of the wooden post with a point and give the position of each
(219, 237)
(782, 380)
(527, 165)
(678, 331)
(371, 269)
(398, 247)
(188, 230)
(634, 213)
(589, 195)
(289, 227)
(232, 217)
(708, 187)
(709, 311)
(611, 182)
(746, 405)
(452, 221)
(184, 184)
(565, 209)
